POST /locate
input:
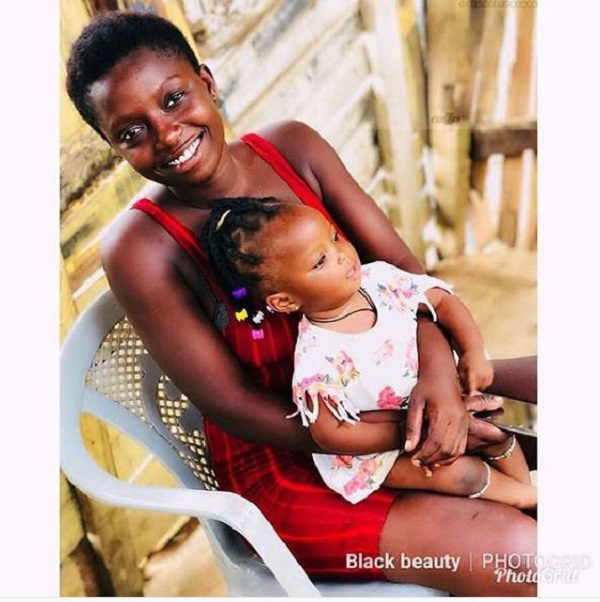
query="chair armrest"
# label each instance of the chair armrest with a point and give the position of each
(230, 508)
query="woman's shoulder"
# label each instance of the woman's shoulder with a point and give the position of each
(288, 135)
(130, 241)
(298, 143)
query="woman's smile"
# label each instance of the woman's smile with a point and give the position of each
(183, 160)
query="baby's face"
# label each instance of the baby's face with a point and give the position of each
(308, 259)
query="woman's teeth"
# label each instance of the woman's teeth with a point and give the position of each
(187, 154)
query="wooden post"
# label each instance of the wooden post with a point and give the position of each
(408, 211)
(486, 39)
(486, 65)
(448, 61)
(518, 107)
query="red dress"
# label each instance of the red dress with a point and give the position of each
(317, 524)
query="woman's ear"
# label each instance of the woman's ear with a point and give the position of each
(207, 77)
(282, 303)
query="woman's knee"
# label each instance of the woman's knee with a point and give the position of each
(517, 535)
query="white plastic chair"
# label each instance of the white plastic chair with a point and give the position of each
(105, 371)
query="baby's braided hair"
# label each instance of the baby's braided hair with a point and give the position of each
(228, 237)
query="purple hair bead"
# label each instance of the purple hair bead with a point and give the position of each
(258, 333)
(239, 293)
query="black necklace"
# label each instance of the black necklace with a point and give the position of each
(365, 295)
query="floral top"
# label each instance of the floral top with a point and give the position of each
(370, 370)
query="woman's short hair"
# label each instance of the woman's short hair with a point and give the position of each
(110, 38)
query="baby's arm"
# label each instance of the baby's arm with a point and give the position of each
(475, 371)
(338, 437)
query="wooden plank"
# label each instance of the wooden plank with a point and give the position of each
(452, 165)
(407, 211)
(360, 154)
(71, 523)
(109, 527)
(85, 219)
(314, 87)
(414, 68)
(81, 575)
(285, 35)
(74, 16)
(448, 79)
(185, 567)
(218, 25)
(522, 72)
(528, 234)
(68, 311)
(482, 223)
(511, 196)
(517, 107)
(448, 60)
(508, 139)
(83, 158)
(486, 65)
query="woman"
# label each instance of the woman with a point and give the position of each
(136, 81)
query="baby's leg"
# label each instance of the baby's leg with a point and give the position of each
(468, 475)
(465, 476)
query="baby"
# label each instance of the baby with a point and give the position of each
(357, 345)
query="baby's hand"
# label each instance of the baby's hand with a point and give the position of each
(475, 372)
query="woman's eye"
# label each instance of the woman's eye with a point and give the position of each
(336, 236)
(320, 263)
(130, 134)
(173, 99)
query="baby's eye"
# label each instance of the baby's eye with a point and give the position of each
(129, 135)
(320, 263)
(172, 99)
(335, 236)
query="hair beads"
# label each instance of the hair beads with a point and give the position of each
(229, 239)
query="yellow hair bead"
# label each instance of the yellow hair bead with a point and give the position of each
(242, 315)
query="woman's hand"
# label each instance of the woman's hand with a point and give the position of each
(436, 398)
(438, 401)
(482, 433)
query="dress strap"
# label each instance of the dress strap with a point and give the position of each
(186, 239)
(271, 155)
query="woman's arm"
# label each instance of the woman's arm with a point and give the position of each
(437, 396)
(137, 256)
(515, 378)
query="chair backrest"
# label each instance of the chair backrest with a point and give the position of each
(123, 371)
(107, 372)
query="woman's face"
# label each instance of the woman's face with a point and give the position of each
(160, 116)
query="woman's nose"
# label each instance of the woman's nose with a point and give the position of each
(341, 257)
(167, 134)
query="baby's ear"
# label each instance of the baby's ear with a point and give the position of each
(282, 303)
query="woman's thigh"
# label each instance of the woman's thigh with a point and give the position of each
(463, 541)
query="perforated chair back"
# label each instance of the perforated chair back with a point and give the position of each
(106, 371)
